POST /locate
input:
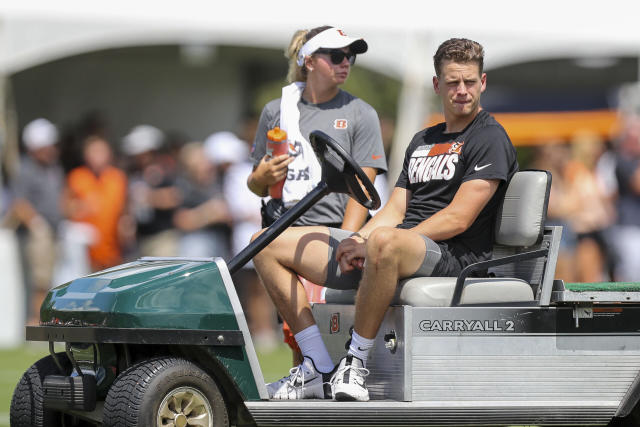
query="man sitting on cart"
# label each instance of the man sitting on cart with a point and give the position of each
(438, 220)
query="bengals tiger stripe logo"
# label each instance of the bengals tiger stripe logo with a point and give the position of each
(340, 124)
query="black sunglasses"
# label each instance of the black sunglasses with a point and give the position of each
(337, 55)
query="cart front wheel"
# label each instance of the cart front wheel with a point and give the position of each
(27, 404)
(165, 391)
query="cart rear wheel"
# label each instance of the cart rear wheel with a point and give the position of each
(27, 408)
(165, 391)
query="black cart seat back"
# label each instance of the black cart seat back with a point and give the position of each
(519, 228)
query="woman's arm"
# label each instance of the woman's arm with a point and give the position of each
(355, 214)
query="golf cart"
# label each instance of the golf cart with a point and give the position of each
(164, 341)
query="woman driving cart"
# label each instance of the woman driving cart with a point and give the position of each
(320, 60)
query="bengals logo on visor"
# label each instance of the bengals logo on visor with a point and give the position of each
(340, 123)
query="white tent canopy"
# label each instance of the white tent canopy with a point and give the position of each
(402, 36)
(33, 32)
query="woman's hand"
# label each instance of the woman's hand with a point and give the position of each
(273, 169)
(269, 171)
(351, 253)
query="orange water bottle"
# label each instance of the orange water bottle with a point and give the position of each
(276, 146)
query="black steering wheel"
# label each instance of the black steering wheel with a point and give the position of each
(341, 173)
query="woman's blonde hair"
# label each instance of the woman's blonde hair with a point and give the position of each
(298, 73)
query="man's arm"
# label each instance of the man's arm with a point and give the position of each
(350, 252)
(470, 199)
(391, 214)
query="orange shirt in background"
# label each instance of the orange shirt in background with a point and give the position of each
(102, 200)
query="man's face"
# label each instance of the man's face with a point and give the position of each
(459, 86)
(45, 155)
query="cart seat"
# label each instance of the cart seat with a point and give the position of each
(519, 226)
(437, 292)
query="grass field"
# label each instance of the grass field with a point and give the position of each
(13, 362)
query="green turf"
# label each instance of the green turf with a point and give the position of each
(276, 363)
(13, 363)
(603, 287)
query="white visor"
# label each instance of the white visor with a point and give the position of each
(332, 38)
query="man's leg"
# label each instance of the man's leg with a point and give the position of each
(391, 254)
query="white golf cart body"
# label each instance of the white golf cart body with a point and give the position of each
(518, 349)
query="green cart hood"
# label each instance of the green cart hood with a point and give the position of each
(167, 293)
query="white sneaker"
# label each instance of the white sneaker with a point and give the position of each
(304, 382)
(348, 383)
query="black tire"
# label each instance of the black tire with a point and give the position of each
(135, 397)
(27, 409)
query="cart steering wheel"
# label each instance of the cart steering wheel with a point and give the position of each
(341, 173)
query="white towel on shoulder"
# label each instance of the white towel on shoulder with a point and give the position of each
(305, 170)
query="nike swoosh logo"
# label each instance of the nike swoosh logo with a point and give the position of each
(479, 168)
(374, 157)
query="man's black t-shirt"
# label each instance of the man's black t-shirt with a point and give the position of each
(437, 163)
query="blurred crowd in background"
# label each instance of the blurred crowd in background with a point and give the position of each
(147, 193)
(81, 202)
(595, 196)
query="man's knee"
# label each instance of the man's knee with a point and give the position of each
(382, 244)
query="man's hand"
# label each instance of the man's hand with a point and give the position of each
(351, 253)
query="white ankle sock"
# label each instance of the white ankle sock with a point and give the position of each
(310, 342)
(360, 347)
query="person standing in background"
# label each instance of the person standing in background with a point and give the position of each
(36, 191)
(96, 195)
(627, 229)
(230, 154)
(203, 217)
(320, 60)
(153, 196)
(590, 209)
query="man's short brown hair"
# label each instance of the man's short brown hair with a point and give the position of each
(459, 50)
